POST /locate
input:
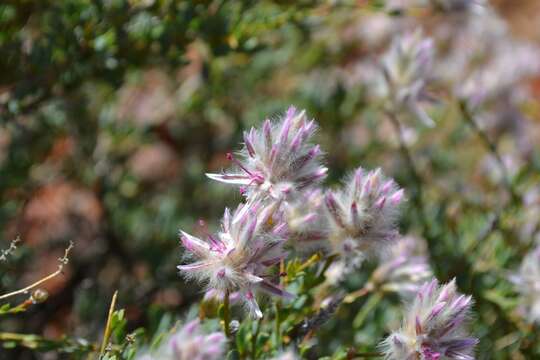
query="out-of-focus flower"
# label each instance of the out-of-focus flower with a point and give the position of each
(433, 327)
(306, 220)
(277, 159)
(512, 161)
(190, 343)
(466, 40)
(406, 67)
(509, 64)
(239, 257)
(363, 213)
(404, 268)
(527, 282)
(530, 229)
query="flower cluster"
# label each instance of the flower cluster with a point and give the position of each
(190, 343)
(280, 171)
(433, 327)
(286, 207)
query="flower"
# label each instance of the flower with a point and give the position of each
(190, 343)
(362, 215)
(404, 268)
(510, 64)
(527, 283)
(240, 256)
(277, 159)
(433, 327)
(406, 67)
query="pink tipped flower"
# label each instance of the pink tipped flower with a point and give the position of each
(240, 256)
(434, 327)
(404, 268)
(363, 213)
(527, 283)
(191, 343)
(406, 68)
(277, 159)
(509, 66)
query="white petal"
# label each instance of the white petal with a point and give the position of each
(236, 179)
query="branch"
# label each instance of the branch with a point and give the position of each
(12, 247)
(63, 261)
(406, 153)
(36, 342)
(492, 148)
(311, 324)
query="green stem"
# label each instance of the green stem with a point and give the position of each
(367, 308)
(492, 148)
(277, 323)
(329, 260)
(367, 355)
(254, 340)
(414, 172)
(226, 315)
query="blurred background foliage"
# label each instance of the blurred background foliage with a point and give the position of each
(111, 111)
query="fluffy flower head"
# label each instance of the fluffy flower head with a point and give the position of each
(433, 327)
(191, 343)
(404, 268)
(239, 257)
(406, 68)
(363, 213)
(277, 159)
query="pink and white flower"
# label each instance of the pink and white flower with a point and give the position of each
(277, 159)
(363, 213)
(190, 343)
(241, 256)
(434, 327)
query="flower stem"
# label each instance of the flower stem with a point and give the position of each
(366, 309)
(413, 170)
(491, 147)
(352, 297)
(254, 340)
(366, 355)
(61, 263)
(277, 329)
(226, 315)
